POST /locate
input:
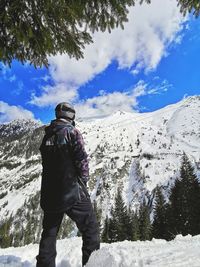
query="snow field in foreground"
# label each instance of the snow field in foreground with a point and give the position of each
(181, 252)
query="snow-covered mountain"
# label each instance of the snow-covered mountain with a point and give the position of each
(133, 151)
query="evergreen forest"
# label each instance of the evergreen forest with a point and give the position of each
(177, 214)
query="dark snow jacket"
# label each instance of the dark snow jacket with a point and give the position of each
(64, 162)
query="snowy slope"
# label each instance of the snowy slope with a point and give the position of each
(114, 143)
(181, 252)
(133, 151)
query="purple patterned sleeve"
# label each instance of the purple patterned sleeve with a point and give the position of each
(80, 155)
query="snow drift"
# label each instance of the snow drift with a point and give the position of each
(180, 252)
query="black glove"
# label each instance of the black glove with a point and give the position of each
(83, 183)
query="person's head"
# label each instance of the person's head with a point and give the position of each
(65, 110)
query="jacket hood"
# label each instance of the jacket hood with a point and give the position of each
(57, 125)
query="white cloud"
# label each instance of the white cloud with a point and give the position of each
(4, 70)
(12, 78)
(9, 113)
(107, 103)
(144, 41)
(6, 73)
(140, 46)
(46, 78)
(52, 95)
(164, 86)
(19, 86)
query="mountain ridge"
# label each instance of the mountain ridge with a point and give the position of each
(133, 151)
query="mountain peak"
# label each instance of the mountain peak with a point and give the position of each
(192, 99)
(18, 127)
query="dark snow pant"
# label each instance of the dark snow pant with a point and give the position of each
(83, 215)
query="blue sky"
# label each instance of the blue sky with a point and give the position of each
(154, 62)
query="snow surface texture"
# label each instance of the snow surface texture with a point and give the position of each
(181, 252)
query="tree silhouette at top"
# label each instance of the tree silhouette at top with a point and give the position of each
(191, 6)
(33, 30)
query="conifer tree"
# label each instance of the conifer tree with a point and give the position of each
(189, 6)
(144, 222)
(186, 6)
(160, 220)
(128, 224)
(120, 215)
(119, 226)
(105, 234)
(135, 227)
(174, 211)
(5, 236)
(98, 213)
(113, 227)
(192, 196)
(33, 30)
(184, 203)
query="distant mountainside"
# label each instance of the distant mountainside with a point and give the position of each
(133, 151)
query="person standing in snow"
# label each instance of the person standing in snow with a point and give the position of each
(64, 186)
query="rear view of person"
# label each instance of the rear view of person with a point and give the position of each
(64, 186)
